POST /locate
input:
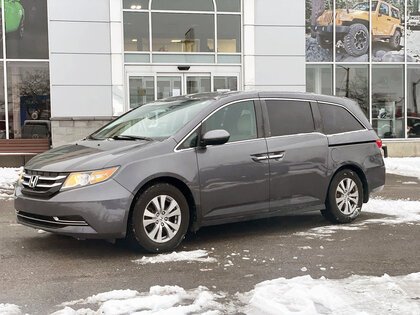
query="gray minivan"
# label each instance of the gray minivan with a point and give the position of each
(185, 162)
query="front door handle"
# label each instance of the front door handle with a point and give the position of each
(259, 157)
(276, 155)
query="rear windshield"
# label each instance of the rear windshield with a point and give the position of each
(158, 120)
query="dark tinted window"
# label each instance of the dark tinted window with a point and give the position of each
(395, 13)
(238, 119)
(336, 119)
(190, 142)
(289, 117)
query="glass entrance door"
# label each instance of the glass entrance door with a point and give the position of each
(149, 87)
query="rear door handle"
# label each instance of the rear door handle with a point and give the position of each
(276, 155)
(259, 157)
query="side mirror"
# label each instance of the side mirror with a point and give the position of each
(215, 137)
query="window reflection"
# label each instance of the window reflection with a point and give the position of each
(352, 81)
(183, 5)
(229, 33)
(319, 79)
(183, 32)
(388, 101)
(142, 90)
(413, 106)
(136, 4)
(29, 100)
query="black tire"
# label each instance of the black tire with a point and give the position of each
(356, 41)
(136, 231)
(323, 41)
(332, 212)
(395, 40)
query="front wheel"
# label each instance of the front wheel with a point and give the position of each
(345, 197)
(356, 41)
(159, 220)
(395, 40)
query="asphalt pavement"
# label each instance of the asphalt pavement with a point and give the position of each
(39, 271)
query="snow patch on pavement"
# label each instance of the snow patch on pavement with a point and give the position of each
(8, 179)
(403, 166)
(299, 295)
(395, 211)
(9, 309)
(199, 255)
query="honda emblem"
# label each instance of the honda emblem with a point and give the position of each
(33, 181)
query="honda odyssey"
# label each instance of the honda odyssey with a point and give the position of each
(186, 162)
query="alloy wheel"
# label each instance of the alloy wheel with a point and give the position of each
(347, 196)
(360, 40)
(162, 219)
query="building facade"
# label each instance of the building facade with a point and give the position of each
(70, 66)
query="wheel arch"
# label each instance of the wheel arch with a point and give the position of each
(357, 21)
(174, 181)
(358, 170)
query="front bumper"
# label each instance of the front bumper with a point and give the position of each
(98, 211)
(326, 29)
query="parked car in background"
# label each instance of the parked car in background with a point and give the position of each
(182, 163)
(352, 26)
(414, 22)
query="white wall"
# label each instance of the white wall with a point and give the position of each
(86, 62)
(274, 45)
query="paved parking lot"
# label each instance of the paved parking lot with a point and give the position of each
(39, 271)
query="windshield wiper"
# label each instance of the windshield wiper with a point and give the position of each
(129, 137)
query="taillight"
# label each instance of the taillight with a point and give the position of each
(379, 143)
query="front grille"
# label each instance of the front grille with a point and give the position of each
(47, 183)
(51, 222)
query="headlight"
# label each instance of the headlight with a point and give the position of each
(81, 179)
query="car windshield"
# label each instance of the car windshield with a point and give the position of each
(364, 6)
(154, 121)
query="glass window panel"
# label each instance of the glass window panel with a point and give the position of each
(229, 33)
(228, 5)
(183, 32)
(352, 81)
(413, 105)
(142, 90)
(2, 106)
(26, 29)
(175, 58)
(319, 79)
(136, 31)
(183, 5)
(238, 119)
(289, 117)
(137, 58)
(198, 84)
(388, 101)
(228, 59)
(29, 100)
(352, 31)
(168, 86)
(319, 31)
(387, 32)
(136, 4)
(336, 119)
(413, 31)
(222, 83)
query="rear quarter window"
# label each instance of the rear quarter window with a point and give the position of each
(289, 117)
(337, 119)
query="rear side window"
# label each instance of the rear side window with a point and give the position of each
(395, 13)
(289, 117)
(336, 119)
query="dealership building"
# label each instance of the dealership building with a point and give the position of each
(70, 66)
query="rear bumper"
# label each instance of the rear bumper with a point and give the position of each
(376, 179)
(97, 211)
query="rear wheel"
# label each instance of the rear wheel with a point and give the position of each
(345, 197)
(159, 220)
(395, 40)
(356, 41)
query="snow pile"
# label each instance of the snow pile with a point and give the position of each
(403, 166)
(354, 295)
(8, 179)
(299, 295)
(199, 255)
(9, 309)
(159, 299)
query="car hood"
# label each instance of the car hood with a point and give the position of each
(84, 155)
